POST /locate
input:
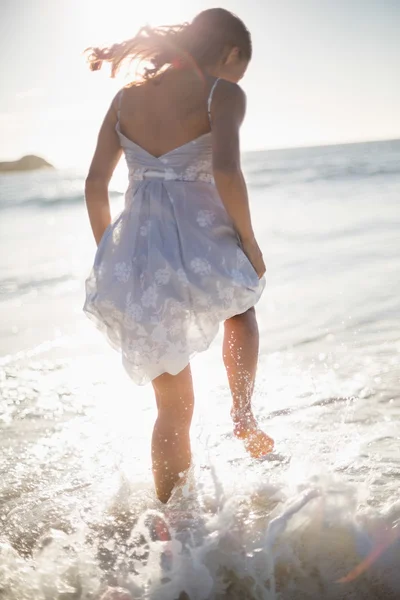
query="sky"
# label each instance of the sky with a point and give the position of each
(323, 71)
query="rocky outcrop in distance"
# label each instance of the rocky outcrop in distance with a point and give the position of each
(26, 163)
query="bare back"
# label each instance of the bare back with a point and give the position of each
(166, 113)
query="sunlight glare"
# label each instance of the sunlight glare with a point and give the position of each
(128, 17)
(95, 24)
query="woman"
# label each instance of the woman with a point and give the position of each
(182, 256)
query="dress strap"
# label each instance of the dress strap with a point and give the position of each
(120, 94)
(210, 97)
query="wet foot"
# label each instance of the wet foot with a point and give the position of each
(159, 530)
(256, 442)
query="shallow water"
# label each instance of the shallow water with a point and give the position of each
(317, 519)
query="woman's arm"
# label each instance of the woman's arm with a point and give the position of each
(228, 110)
(107, 154)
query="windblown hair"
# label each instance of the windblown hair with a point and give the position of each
(201, 43)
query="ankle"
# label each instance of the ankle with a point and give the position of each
(241, 412)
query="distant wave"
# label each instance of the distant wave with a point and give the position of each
(353, 171)
(50, 202)
(266, 175)
(11, 286)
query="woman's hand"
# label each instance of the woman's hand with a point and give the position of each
(254, 254)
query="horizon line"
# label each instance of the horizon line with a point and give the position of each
(256, 150)
(324, 145)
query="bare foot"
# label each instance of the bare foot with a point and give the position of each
(256, 442)
(158, 529)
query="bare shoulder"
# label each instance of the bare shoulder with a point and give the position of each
(116, 101)
(122, 97)
(230, 89)
(229, 96)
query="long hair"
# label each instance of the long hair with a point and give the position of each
(200, 43)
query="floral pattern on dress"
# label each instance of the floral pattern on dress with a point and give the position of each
(160, 300)
(205, 218)
(137, 174)
(122, 271)
(149, 297)
(134, 310)
(162, 276)
(200, 266)
(193, 171)
(225, 293)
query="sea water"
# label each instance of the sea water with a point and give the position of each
(317, 519)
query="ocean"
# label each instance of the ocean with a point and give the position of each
(317, 519)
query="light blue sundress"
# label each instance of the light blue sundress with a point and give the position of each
(170, 267)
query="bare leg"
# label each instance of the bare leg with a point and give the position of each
(240, 353)
(171, 454)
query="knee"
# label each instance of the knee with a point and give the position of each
(175, 420)
(247, 319)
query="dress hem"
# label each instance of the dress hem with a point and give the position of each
(96, 318)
